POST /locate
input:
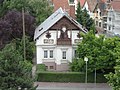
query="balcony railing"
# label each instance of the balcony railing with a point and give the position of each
(64, 41)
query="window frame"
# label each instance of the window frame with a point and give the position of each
(45, 54)
(51, 54)
(64, 55)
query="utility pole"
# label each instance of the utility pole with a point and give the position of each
(23, 21)
(86, 60)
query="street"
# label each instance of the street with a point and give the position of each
(72, 86)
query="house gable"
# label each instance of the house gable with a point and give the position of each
(64, 22)
(53, 19)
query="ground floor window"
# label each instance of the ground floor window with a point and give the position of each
(75, 53)
(51, 53)
(48, 54)
(45, 54)
(64, 55)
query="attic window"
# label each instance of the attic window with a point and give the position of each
(71, 1)
(40, 29)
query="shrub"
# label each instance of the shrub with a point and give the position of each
(40, 67)
(68, 77)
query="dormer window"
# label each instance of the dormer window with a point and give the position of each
(71, 1)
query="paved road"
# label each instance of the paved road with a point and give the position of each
(72, 86)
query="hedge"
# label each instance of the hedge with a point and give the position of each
(69, 77)
(40, 67)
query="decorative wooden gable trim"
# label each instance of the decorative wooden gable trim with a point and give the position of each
(64, 22)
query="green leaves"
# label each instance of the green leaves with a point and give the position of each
(40, 9)
(14, 71)
(83, 17)
(101, 52)
(114, 78)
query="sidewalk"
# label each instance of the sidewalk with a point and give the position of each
(71, 86)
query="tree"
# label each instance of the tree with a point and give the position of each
(5, 31)
(100, 51)
(30, 48)
(83, 17)
(11, 26)
(114, 78)
(79, 14)
(14, 18)
(40, 9)
(36, 11)
(14, 71)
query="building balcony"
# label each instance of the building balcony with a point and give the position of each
(64, 41)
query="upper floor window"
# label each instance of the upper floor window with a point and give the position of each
(109, 27)
(105, 19)
(105, 26)
(71, 1)
(96, 23)
(109, 19)
(99, 24)
(100, 14)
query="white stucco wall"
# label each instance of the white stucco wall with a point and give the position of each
(113, 25)
(57, 49)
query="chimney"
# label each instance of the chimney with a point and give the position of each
(72, 11)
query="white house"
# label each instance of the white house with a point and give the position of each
(56, 40)
(112, 18)
(90, 5)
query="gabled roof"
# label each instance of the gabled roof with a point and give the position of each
(82, 2)
(92, 4)
(116, 5)
(50, 21)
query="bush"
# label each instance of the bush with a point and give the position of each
(40, 67)
(68, 77)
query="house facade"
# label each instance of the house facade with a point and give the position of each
(111, 20)
(56, 40)
(107, 17)
(90, 5)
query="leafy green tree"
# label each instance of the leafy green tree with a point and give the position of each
(30, 48)
(114, 78)
(5, 32)
(14, 71)
(40, 9)
(83, 17)
(79, 14)
(14, 18)
(11, 26)
(100, 52)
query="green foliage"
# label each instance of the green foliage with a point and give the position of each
(114, 78)
(100, 51)
(76, 65)
(30, 48)
(40, 67)
(40, 9)
(83, 17)
(69, 77)
(14, 72)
